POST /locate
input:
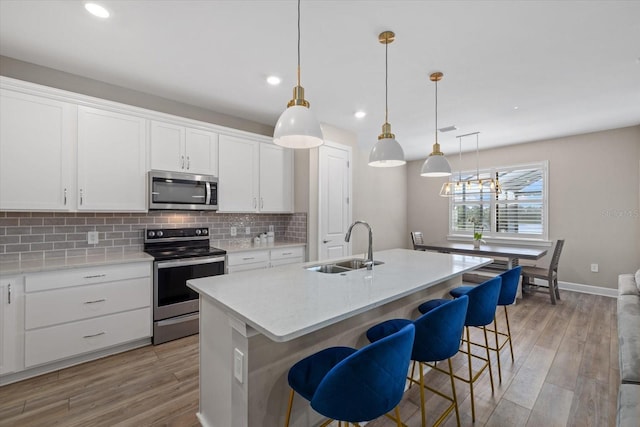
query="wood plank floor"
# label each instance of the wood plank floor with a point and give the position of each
(565, 374)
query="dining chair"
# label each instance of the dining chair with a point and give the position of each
(417, 239)
(345, 384)
(529, 273)
(438, 335)
(483, 300)
(507, 296)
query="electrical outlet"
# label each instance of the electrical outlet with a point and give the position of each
(92, 237)
(234, 231)
(271, 228)
(594, 268)
(247, 230)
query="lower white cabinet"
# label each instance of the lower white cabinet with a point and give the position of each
(11, 329)
(264, 258)
(74, 338)
(78, 311)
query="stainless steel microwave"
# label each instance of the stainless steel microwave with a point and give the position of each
(182, 191)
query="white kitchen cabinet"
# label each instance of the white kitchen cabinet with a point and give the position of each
(183, 149)
(238, 182)
(111, 161)
(276, 179)
(254, 176)
(37, 163)
(73, 312)
(11, 328)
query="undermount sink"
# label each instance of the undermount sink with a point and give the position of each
(356, 263)
(342, 266)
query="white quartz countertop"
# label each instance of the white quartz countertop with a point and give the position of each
(34, 266)
(286, 302)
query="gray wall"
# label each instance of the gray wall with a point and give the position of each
(594, 200)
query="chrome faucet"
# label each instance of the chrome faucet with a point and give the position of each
(369, 261)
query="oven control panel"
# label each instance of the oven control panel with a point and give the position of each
(176, 234)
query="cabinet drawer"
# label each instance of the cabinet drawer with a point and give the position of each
(71, 339)
(250, 257)
(81, 276)
(83, 302)
(285, 261)
(246, 267)
(293, 252)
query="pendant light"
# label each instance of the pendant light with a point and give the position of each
(297, 126)
(471, 186)
(387, 152)
(436, 164)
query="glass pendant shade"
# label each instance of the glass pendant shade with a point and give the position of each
(386, 153)
(298, 127)
(436, 165)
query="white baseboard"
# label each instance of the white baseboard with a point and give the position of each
(588, 289)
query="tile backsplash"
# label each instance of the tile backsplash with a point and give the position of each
(39, 235)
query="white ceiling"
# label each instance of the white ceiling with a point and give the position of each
(570, 66)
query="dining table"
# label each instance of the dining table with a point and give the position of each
(513, 253)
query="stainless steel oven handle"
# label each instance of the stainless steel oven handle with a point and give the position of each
(189, 261)
(207, 185)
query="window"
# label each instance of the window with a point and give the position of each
(520, 211)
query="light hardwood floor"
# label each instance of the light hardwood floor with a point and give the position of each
(565, 374)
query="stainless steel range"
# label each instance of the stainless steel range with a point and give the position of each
(179, 254)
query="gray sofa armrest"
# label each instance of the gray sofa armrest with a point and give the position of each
(628, 405)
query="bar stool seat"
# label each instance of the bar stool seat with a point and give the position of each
(438, 335)
(483, 301)
(350, 385)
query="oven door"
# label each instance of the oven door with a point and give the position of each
(171, 295)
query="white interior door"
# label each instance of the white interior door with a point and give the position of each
(334, 210)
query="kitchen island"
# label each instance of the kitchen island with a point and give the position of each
(255, 325)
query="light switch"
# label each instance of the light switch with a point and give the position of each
(238, 364)
(234, 231)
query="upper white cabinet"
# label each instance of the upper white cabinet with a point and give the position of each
(183, 149)
(276, 178)
(254, 176)
(11, 326)
(37, 163)
(111, 161)
(238, 185)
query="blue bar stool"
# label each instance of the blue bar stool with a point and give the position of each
(508, 291)
(483, 300)
(438, 335)
(350, 385)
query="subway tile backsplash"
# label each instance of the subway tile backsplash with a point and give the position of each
(38, 235)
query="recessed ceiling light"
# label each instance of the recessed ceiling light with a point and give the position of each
(274, 80)
(516, 107)
(360, 114)
(97, 10)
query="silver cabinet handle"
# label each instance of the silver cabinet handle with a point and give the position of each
(95, 301)
(95, 276)
(9, 296)
(248, 258)
(286, 253)
(65, 197)
(81, 196)
(181, 162)
(261, 203)
(255, 203)
(94, 335)
(326, 241)
(188, 163)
